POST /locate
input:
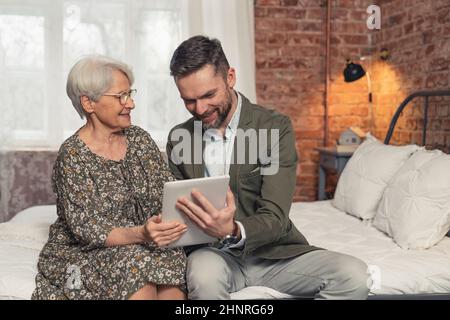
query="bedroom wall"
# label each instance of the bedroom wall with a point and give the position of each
(290, 71)
(417, 33)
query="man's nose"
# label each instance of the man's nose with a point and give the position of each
(201, 107)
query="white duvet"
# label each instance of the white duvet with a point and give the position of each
(21, 240)
(394, 270)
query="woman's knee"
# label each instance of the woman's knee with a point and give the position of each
(170, 292)
(147, 292)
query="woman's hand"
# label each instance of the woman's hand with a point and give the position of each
(162, 233)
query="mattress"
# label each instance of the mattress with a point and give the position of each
(21, 240)
(394, 270)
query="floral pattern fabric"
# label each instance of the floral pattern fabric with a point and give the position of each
(94, 196)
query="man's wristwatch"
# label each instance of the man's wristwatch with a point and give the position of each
(232, 238)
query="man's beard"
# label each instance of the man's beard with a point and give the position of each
(223, 112)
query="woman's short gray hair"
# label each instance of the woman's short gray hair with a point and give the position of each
(91, 76)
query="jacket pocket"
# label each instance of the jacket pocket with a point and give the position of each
(247, 175)
(250, 184)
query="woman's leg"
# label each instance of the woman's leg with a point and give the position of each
(170, 293)
(147, 292)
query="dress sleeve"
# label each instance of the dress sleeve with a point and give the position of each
(84, 210)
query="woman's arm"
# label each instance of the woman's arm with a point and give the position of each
(160, 233)
(124, 236)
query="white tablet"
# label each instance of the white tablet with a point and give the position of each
(213, 188)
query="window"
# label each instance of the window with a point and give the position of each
(40, 40)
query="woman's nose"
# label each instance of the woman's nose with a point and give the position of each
(130, 104)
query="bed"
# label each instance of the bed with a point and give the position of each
(396, 273)
(321, 223)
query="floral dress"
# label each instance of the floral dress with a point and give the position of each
(94, 196)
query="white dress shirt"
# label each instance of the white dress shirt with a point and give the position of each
(218, 152)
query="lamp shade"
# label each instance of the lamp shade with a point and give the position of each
(353, 72)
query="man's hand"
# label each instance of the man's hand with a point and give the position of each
(162, 233)
(216, 223)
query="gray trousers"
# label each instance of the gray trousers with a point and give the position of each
(321, 274)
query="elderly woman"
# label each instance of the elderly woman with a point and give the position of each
(108, 241)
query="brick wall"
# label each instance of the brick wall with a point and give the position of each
(290, 63)
(417, 33)
(290, 72)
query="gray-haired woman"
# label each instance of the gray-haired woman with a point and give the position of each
(107, 242)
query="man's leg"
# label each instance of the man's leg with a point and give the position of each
(213, 274)
(319, 274)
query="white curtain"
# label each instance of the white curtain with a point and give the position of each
(232, 22)
(41, 39)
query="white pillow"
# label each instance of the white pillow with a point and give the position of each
(415, 208)
(362, 183)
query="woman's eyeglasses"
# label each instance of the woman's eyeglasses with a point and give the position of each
(123, 97)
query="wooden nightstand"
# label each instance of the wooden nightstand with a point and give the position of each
(330, 160)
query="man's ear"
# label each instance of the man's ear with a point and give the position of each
(231, 77)
(88, 104)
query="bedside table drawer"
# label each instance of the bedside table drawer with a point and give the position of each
(328, 161)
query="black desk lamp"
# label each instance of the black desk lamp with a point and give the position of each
(354, 72)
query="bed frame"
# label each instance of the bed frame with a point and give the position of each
(426, 95)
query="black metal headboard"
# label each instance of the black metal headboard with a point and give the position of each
(426, 95)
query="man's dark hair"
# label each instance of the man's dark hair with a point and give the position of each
(197, 52)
